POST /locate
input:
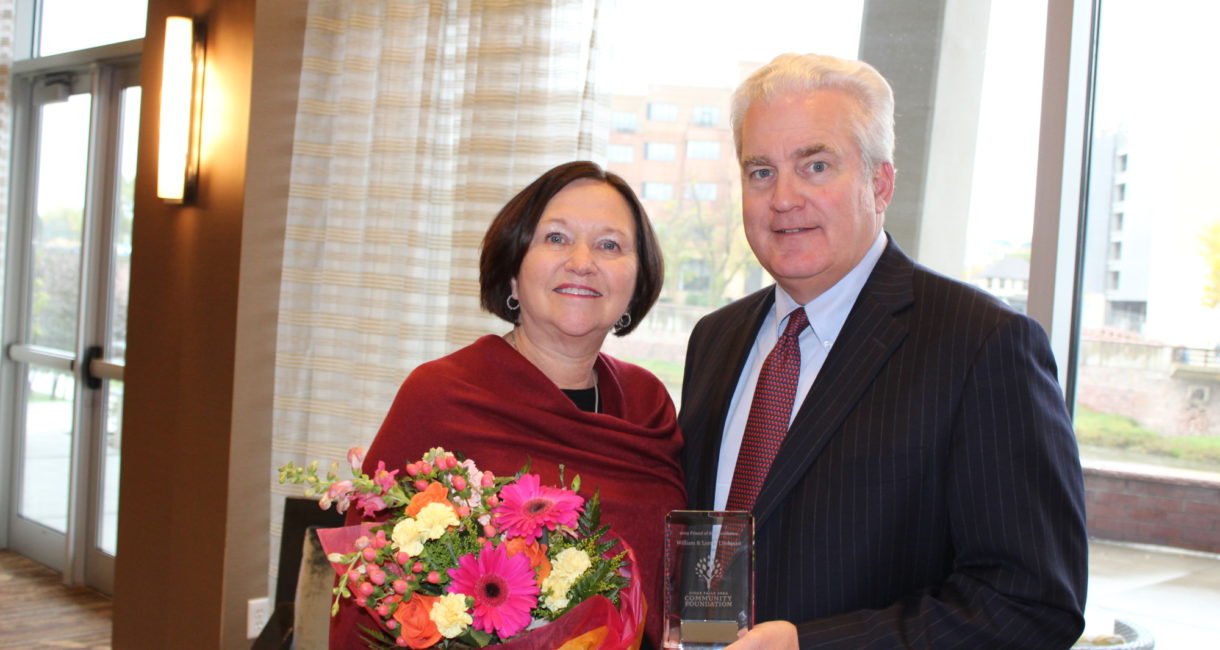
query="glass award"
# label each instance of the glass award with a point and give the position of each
(709, 578)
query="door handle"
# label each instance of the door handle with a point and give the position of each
(92, 354)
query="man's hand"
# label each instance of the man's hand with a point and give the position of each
(771, 635)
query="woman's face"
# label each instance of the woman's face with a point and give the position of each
(579, 272)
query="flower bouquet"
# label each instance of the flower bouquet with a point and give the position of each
(459, 558)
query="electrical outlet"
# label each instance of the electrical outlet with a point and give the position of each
(258, 612)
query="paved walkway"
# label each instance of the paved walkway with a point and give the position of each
(1173, 594)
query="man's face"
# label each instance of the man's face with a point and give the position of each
(811, 208)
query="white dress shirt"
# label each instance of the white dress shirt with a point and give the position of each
(826, 314)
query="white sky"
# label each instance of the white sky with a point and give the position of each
(700, 43)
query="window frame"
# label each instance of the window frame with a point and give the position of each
(654, 147)
(1056, 274)
(697, 149)
(646, 195)
(658, 115)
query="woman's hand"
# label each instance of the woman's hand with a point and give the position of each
(771, 635)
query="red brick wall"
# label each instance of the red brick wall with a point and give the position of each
(1176, 510)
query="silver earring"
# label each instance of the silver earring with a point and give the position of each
(513, 303)
(623, 322)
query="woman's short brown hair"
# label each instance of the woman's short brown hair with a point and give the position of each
(509, 236)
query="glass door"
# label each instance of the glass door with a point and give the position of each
(66, 306)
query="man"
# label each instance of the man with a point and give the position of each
(926, 490)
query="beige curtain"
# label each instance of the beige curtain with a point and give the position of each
(417, 121)
(6, 112)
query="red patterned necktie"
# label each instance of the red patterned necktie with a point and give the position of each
(769, 414)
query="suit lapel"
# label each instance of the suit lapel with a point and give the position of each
(869, 337)
(726, 354)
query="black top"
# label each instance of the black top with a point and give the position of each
(585, 399)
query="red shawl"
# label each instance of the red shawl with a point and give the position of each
(490, 404)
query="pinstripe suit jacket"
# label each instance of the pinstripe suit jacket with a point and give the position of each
(929, 491)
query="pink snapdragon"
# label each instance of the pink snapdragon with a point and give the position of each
(339, 493)
(384, 479)
(355, 457)
(371, 504)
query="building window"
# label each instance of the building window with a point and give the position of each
(706, 116)
(701, 191)
(657, 191)
(1112, 281)
(623, 122)
(1120, 192)
(1122, 162)
(660, 150)
(694, 275)
(703, 149)
(1116, 251)
(1116, 222)
(662, 112)
(1126, 315)
(620, 153)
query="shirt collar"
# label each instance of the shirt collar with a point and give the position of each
(829, 311)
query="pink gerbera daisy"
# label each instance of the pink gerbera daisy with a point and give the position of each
(526, 507)
(503, 588)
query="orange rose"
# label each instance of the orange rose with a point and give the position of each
(435, 493)
(534, 552)
(417, 628)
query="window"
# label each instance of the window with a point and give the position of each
(68, 25)
(703, 149)
(694, 275)
(623, 122)
(620, 153)
(662, 112)
(706, 116)
(701, 191)
(660, 151)
(1126, 316)
(1154, 325)
(657, 191)
(955, 227)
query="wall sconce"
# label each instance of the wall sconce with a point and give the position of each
(181, 110)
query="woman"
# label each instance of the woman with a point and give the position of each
(567, 260)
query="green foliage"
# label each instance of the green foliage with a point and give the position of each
(669, 372)
(1211, 255)
(56, 290)
(697, 300)
(708, 232)
(473, 637)
(1108, 430)
(376, 639)
(1105, 430)
(602, 576)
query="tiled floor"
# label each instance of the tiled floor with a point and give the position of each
(1174, 595)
